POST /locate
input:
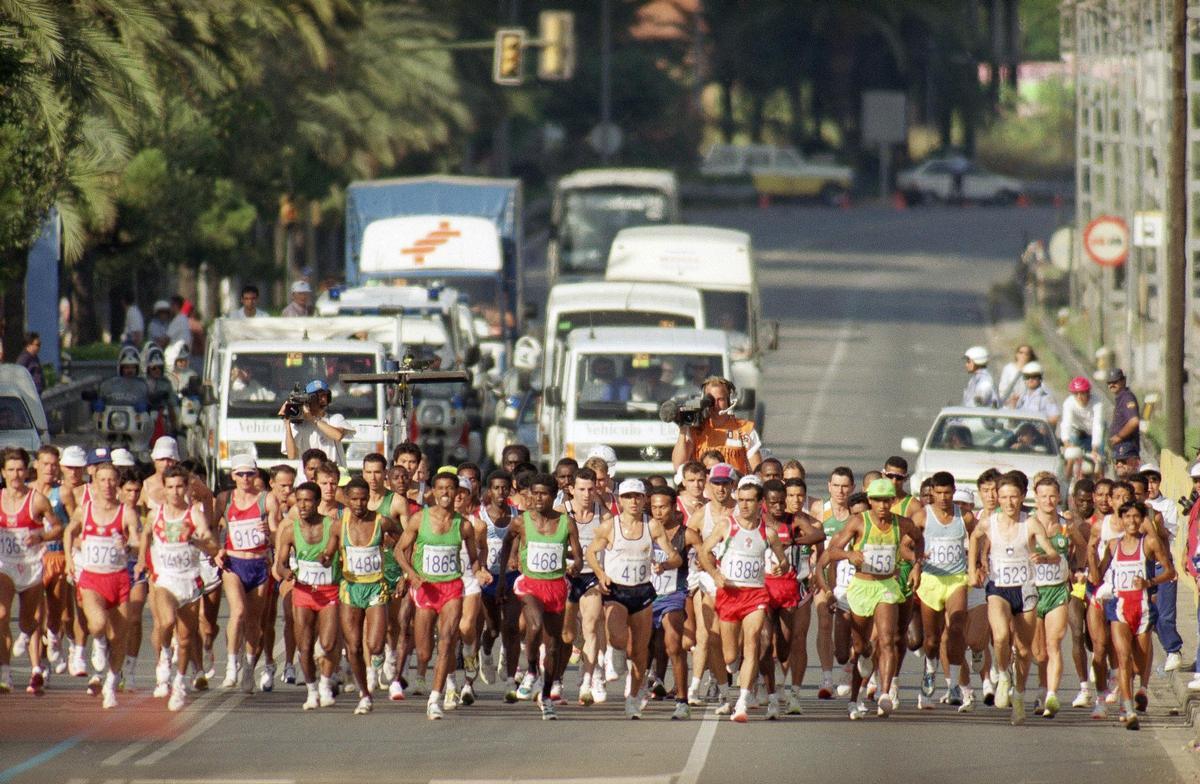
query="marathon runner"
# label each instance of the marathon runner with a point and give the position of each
(390, 502)
(802, 556)
(502, 612)
(282, 481)
(1083, 508)
(671, 596)
(707, 655)
(832, 626)
(585, 609)
(139, 592)
(60, 603)
(468, 625)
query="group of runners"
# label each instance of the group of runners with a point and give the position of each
(511, 577)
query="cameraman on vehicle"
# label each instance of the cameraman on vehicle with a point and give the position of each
(736, 439)
(310, 427)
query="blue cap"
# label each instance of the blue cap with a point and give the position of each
(316, 385)
(98, 455)
(1125, 450)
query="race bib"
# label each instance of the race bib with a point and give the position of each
(439, 560)
(103, 554)
(801, 564)
(1125, 573)
(665, 583)
(743, 568)
(313, 573)
(247, 534)
(494, 546)
(1010, 572)
(12, 544)
(845, 573)
(544, 556)
(879, 559)
(1049, 573)
(944, 554)
(364, 561)
(634, 572)
(175, 559)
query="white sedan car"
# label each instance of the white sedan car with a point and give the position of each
(968, 441)
(934, 180)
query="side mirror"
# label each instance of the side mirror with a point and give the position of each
(772, 335)
(910, 445)
(471, 355)
(553, 396)
(207, 398)
(89, 395)
(487, 362)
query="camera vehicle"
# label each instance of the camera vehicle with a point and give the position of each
(589, 208)
(252, 365)
(22, 417)
(611, 383)
(720, 264)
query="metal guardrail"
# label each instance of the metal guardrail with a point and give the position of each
(66, 410)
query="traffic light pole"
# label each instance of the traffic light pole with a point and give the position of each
(605, 71)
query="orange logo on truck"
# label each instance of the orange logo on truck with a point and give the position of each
(430, 242)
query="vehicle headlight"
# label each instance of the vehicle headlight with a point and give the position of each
(118, 420)
(431, 416)
(243, 448)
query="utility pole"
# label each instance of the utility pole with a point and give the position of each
(605, 69)
(1175, 276)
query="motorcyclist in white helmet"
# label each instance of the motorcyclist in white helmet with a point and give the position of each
(162, 391)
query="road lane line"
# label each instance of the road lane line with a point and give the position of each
(211, 781)
(197, 729)
(656, 779)
(836, 357)
(8, 774)
(178, 723)
(699, 753)
(120, 756)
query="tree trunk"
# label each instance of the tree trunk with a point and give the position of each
(728, 125)
(757, 107)
(796, 131)
(12, 310)
(82, 275)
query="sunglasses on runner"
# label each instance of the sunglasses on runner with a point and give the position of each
(895, 475)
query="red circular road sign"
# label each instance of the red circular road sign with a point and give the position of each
(1106, 240)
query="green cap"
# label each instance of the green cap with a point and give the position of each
(881, 488)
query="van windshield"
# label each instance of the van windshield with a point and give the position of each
(620, 318)
(14, 415)
(632, 386)
(591, 219)
(259, 383)
(727, 310)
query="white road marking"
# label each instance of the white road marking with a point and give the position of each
(836, 357)
(212, 781)
(196, 730)
(184, 718)
(699, 753)
(133, 749)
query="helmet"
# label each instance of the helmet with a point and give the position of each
(154, 357)
(128, 356)
(1079, 384)
(977, 354)
(1032, 369)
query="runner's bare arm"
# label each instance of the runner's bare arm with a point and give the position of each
(283, 544)
(42, 511)
(203, 538)
(674, 559)
(576, 549)
(781, 558)
(976, 572)
(603, 535)
(404, 548)
(810, 531)
(841, 540)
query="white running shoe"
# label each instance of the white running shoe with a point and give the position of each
(99, 654)
(885, 705)
(1018, 709)
(451, 700)
(54, 652)
(433, 712)
(1173, 661)
(266, 681)
(843, 690)
(923, 702)
(395, 691)
(632, 709)
(311, 702)
(610, 674)
(233, 677)
(1083, 699)
(417, 686)
(162, 689)
(76, 665)
(487, 668)
(525, 690)
(599, 691)
(178, 698)
(740, 712)
(682, 711)
(1193, 684)
(467, 695)
(794, 707)
(20, 645)
(556, 693)
(856, 710)
(372, 679)
(363, 707)
(471, 665)
(289, 673)
(968, 702)
(325, 694)
(772, 707)
(1004, 691)
(247, 679)
(109, 695)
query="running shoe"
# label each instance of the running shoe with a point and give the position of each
(433, 712)
(682, 711)
(968, 703)
(954, 695)
(1141, 700)
(487, 668)
(1052, 706)
(772, 708)
(1132, 723)
(548, 713)
(826, 690)
(525, 690)
(885, 705)
(1099, 710)
(77, 666)
(162, 689)
(471, 665)
(395, 691)
(93, 686)
(510, 696)
(200, 682)
(740, 712)
(325, 694)
(99, 654)
(989, 692)
(233, 676)
(927, 680)
(178, 698)
(419, 687)
(247, 680)
(266, 681)
(1003, 692)
(451, 700)
(1018, 710)
(312, 702)
(856, 710)
(658, 688)
(289, 674)
(556, 693)
(364, 707)
(1083, 699)
(108, 697)
(37, 683)
(793, 705)
(632, 710)
(20, 645)
(599, 691)
(1173, 661)
(467, 695)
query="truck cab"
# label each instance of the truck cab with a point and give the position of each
(611, 382)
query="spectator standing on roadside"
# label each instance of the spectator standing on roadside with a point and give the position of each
(1036, 398)
(1010, 377)
(28, 359)
(249, 307)
(980, 391)
(177, 327)
(156, 330)
(1125, 425)
(1127, 461)
(1165, 599)
(134, 328)
(301, 296)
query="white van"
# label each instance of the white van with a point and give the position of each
(720, 263)
(571, 306)
(611, 382)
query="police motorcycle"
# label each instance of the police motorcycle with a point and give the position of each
(440, 423)
(121, 407)
(164, 398)
(186, 383)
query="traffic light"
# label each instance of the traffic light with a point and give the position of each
(556, 31)
(507, 63)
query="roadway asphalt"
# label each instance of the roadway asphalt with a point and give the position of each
(876, 307)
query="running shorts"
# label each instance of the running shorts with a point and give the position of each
(675, 601)
(252, 572)
(112, 587)
(734, 603)
(935, 589)
(1020, 598)
(1133, 609)
(509, 578)
(54, 567)
(185, 590)
(634, 598)
(1051, 597)
(864, 595)
(365, 595)
(24, 573)
(315, 597)
(976, 597)
(784, 592)
(903, 570)
(435, 596)
(470, 580)
(551, 593)
(579, 585)
(136, 577)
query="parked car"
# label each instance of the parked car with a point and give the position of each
(779, 171)
(22, 417)
(934, 180)
(968, 441)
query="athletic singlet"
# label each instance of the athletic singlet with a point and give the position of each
(587, 530)
(308, 567)
(244, 532)
(495, 540)
(103, 545)
(784, 532)
(544, 556)
(1045, 574)
(361, 563)
(627, 561)
(1124, 569)
(1107, 534)
(171, 552)
(799, 555)
(744, 555)
(60, 511)
(14, 527)
(1009, 562)
(879, 554)
(706, 529)
(945, 544)
(671, 580)
(844, 570)
(436, 556)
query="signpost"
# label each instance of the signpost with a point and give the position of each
(1106, 240)
(884, 122)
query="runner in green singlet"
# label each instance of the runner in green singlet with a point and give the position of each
(833, 633)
